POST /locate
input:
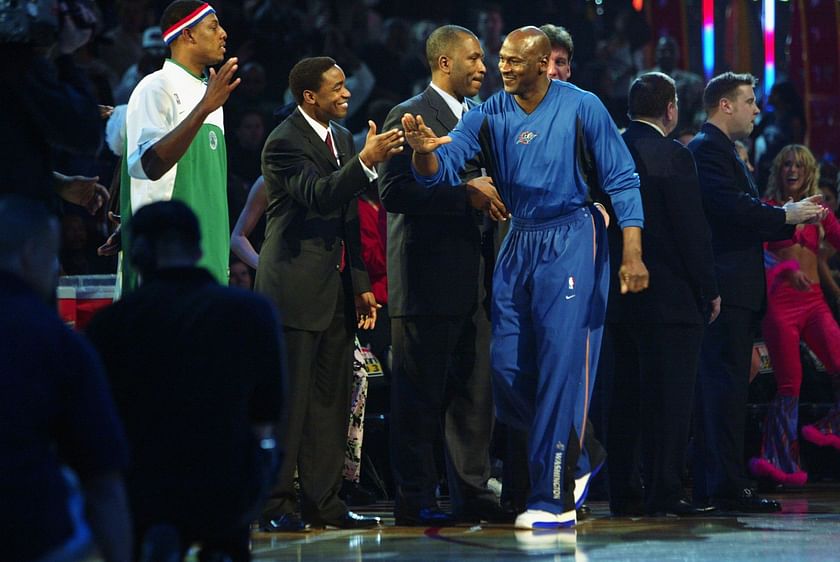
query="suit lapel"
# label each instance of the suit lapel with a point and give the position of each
(443, 114)
(317, 147)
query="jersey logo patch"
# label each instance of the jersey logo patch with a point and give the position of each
(214, 141)
(525, 137)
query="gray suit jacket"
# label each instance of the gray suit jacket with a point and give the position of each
(434, 235)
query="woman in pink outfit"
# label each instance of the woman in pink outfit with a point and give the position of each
(796, 310)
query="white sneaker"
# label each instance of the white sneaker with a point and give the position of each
(537, 519)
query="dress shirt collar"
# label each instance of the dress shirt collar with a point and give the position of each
(320, 130)
(456, 106)
(652, 124)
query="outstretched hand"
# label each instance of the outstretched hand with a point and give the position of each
(380, 147)
(84, 191)
(420, 137)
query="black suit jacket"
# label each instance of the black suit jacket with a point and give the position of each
(676, 240)
(434, 235)
(312, 209)
(739, 221)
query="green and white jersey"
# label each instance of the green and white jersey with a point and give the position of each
(158, 104)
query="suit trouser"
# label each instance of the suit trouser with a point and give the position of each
(315, 429)
(653, 394)
(441, 382)
(549, 301)
(721, 394)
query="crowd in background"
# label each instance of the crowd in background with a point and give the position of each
(380, 47)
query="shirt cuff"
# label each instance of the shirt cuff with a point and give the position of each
(371, 174)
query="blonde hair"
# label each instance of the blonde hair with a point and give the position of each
(801, 154)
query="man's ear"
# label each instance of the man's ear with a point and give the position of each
(672, 112)
(543, 64)
(444, 64)
(725, 105)
(309, 97)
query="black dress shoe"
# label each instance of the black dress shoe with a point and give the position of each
(425, 517)
(286, 523)
(486, 511)
(352, 520)
(747, 501)
(682, 508)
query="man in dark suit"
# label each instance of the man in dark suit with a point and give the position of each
(311, 267)
(656, 334)
(739, 223)
(440, 326)
(196, 371)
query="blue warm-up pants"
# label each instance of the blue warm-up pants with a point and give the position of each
(550, 291)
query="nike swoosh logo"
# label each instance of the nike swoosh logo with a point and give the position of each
(570, 297)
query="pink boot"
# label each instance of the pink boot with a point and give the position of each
(762, 468)
(825, 432)
(779, 457)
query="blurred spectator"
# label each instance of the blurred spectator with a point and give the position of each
(153, 55)
(390, 59)
(622, 55)
(244, 150)
(782, 123)
(123, 44)
(689, 85)
(240, 275)
(60, 438)
(201, 427)
(686, 135)
(251, 95)
(490, 30)
(46, 105)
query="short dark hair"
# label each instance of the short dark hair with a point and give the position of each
(162, 222)
(559, 37)
(723, 86)
(650, 95)
(441, 41)
(176, 11)
(21, 219)
(308, 74)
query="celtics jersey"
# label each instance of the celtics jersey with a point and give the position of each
(158, 104)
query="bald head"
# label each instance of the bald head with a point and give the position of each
(523, 62)
(531, 39)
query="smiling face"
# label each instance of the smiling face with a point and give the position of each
(210, 39)
(794, 174)
(467, 70)
(521, 64)
(331, 100)
(559, 65)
